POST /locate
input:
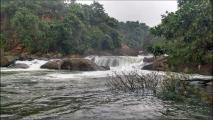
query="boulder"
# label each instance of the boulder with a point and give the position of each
(76, 64)
(7, 60)
(105, 67)
(148, 67)
(19, 65)
(148, 59)
(53, 64)
(79, 64)
(160, 63)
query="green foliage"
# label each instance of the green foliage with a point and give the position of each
(188, 32)
(175, 87)
(52, 26)
(156, 50)
(135, 34)
(27, 27)
(2, 41)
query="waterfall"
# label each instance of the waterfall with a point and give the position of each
(114, 62)
(118, 61)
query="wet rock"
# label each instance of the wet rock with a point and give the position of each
(105, 67)
(160, 63)
(148, 59)
(148, 67)
(19, 65)
(53, 64)
(7, 60)
(76, 64)
(79, 64)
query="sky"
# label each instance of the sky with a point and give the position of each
(146, 11)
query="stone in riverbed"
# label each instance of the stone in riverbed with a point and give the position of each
(159, 63)
(148, 59)
(105, 67)
(53, 64)
(79, 64)
(148, 67)
(76, 64)
(7, 60)
(19, 65)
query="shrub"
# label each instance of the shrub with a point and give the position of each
(134, 82)
(171, 86)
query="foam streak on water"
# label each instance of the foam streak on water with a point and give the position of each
(118, 64)
(33, 65)
(32, 94)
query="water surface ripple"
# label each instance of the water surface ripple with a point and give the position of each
(33, 95)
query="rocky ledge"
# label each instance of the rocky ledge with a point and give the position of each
(75, 64)
(159, 63)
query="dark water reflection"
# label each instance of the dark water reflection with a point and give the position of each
(33, 95)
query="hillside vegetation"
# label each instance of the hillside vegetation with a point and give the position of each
(53, 26)
(187, 35)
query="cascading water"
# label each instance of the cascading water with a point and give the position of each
(32, 64)
(118, 61)
(31, 94)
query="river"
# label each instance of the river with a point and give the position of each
(41, 94)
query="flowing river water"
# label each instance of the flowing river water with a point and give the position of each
(41, 94)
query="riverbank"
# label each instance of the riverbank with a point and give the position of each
(161, 63)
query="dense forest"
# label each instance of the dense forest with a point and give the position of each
(54, 26)
(136, 35)
(187, 34)
(43, 26)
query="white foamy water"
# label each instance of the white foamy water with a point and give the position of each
(36, 93)
(33, 65)
(119, 62)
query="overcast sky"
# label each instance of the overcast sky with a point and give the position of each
(147, 11)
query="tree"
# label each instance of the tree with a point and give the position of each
(27, 28)
(134, 33)
(188, 32)
(52, 26)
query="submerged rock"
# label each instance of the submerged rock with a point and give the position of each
(148, 59)
(19, 65)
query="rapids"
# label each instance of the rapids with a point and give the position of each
(42, 94)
